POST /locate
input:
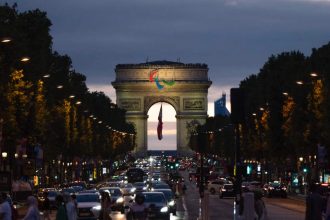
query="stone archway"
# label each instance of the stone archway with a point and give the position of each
(184, 86)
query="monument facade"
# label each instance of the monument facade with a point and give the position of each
(184, 86)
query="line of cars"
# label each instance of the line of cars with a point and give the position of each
(225, 188)
(153, 182)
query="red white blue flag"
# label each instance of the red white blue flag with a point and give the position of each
(160, 123)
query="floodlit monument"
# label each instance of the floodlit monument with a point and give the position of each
(184, 86)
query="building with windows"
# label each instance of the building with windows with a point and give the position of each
(220, 108)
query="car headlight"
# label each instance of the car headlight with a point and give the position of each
(133, 190)
(97, 208)
(164, 209)
(120, 200)
(171, 203)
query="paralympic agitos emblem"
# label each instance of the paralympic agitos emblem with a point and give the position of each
(153, 77)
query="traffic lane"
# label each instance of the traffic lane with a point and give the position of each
(119, 216)
(276, 212)
(221, 208)
(277, 208)
(291, 204)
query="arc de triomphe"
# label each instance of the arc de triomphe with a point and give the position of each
(184, 86)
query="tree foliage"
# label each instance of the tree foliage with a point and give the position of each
(46, 101)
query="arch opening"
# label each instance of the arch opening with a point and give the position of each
(169, 140)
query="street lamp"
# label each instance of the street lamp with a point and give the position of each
(4, 156)
(5, 40)
(25, 59)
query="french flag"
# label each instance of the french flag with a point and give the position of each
(160, 123)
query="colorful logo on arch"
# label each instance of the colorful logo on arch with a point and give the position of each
(153, 77)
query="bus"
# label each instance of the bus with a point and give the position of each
(135, 175)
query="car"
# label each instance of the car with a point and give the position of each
(86, 203)
(140, 187)
(226, 190)
(170, 197)
(127, 189)
(89, 191)
(51, 195)
(68, 191)
(159, 185)
(157, 205)
(214, 186)
(275, 188)
(117, 198)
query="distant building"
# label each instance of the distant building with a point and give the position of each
(220, 108)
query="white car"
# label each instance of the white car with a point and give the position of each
(88, 205)
(214, 186)
(127, 189)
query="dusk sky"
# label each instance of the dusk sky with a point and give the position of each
(233, 37)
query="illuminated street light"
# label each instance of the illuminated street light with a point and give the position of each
(313, 74)
(100, 122)
(285, 93)
(59, 87)
(4, 154)
(261, 109)
(300, 82)
(254, 114)
(5, 40)
(46, 76)
(71, 96)
(78, 102)
(301, 159)
(25, 59)
(91, 116)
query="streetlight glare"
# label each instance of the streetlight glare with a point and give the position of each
(71, 96)
(59, 87)
(46, 75)
(300, 82)
(25, 59)
(78, 102)
(285, 93)
(4, 154)
(5, 40)
(313, 74)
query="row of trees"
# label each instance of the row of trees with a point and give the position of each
(44, 100)
(287, 108)
(287, 114)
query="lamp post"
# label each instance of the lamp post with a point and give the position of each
(4, 157)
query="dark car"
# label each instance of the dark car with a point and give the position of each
(275, 189)
(140, 187)
(226, 190)
(170, 197)
(157, 205)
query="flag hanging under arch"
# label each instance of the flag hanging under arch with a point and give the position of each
(160, 123)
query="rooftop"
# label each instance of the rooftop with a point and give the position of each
(163, 64)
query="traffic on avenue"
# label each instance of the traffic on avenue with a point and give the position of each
(172, 190)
